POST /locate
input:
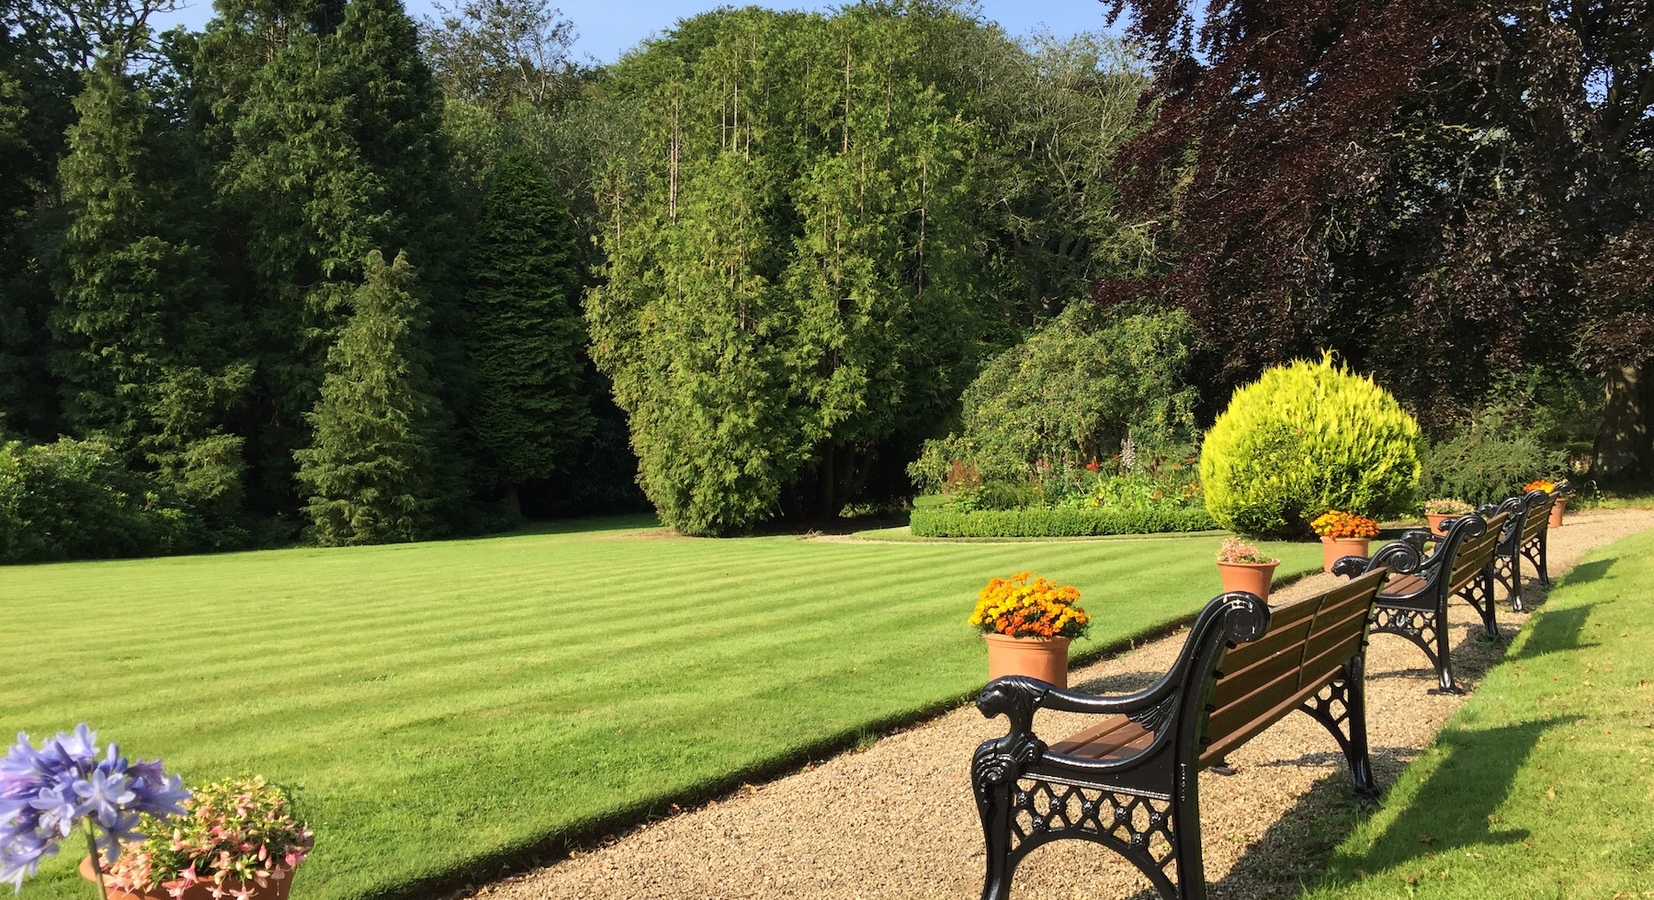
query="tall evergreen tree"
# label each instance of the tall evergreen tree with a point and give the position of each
(147, 347)
(794, 267)
(37, 86)
(532, 413)
(333, 151)
(372, 475)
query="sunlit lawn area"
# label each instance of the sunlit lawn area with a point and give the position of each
(1541, 786)
(447, 707)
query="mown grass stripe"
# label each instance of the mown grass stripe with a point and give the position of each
(451, 707)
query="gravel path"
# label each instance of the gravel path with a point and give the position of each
(896, 820)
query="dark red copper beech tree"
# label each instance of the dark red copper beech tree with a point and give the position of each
(1438, 189)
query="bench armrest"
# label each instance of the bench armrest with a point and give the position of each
(1403, 557)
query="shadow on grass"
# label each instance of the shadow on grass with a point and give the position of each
(1454, 806)
(1556, 631)
(1534, 594)
(1587, 572)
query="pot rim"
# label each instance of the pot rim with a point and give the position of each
(996, 636)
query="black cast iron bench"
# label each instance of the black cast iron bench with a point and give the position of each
(1526, 536)
(1413, 600)
(1130, 782)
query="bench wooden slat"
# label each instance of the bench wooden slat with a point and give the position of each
(1237, 683)
(1275, 685)
(1471, 561)
(1286, 624)
(1221, 747)
(1535, 521)
(1341, 626)
(1326, 661)
(1404, 584)
(1116, 736)
(1247, 701)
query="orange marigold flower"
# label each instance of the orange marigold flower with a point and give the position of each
(1027, 605)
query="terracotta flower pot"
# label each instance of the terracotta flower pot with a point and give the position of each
(1558, 505)
(1335, 549)
(1251, 577)
(1042, 658)
(277, 889)
(1436, 520)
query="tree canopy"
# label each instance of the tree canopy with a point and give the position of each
(1423, 186)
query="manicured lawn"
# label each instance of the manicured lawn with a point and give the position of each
(1541, 786)
(449, 707)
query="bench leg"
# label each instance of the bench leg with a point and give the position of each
(1479, 594)
(1508, 570)
(1534, 550)
(1444, 657)
(1021, 812)
(1544, 566)
(993, 777)
(1427, 629)
(1341, 707)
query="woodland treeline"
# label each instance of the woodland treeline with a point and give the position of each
(324, 270)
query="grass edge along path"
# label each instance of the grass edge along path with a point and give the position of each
(456, 708)
(1540, 785)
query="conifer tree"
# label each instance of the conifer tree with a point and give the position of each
(532, 412)
(371, 474)
(333, 151)
(793, 279)
(146, 345)
(36, 87)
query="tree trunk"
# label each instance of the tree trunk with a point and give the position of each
(513, 500)
(1622, 445)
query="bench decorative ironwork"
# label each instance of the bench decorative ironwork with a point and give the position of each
(1413, 601)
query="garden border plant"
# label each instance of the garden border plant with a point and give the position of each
(1060, 521)
(1304, 439)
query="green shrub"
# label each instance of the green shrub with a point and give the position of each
(947, 520)
(1304, 439)
(1487, 462)
(1069, 395)
(75, 500)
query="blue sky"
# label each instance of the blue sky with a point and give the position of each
(609, 27)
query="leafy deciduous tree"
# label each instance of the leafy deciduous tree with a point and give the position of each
(494, 53)
(1416, 184)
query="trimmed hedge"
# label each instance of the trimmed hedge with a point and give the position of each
(1054, 522)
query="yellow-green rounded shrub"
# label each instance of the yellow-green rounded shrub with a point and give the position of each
(1304, 439)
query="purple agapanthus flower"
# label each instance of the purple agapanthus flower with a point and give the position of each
(45, 793)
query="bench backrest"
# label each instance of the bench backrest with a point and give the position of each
(1476, 552)
(1306, 644)
(1537, 518)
